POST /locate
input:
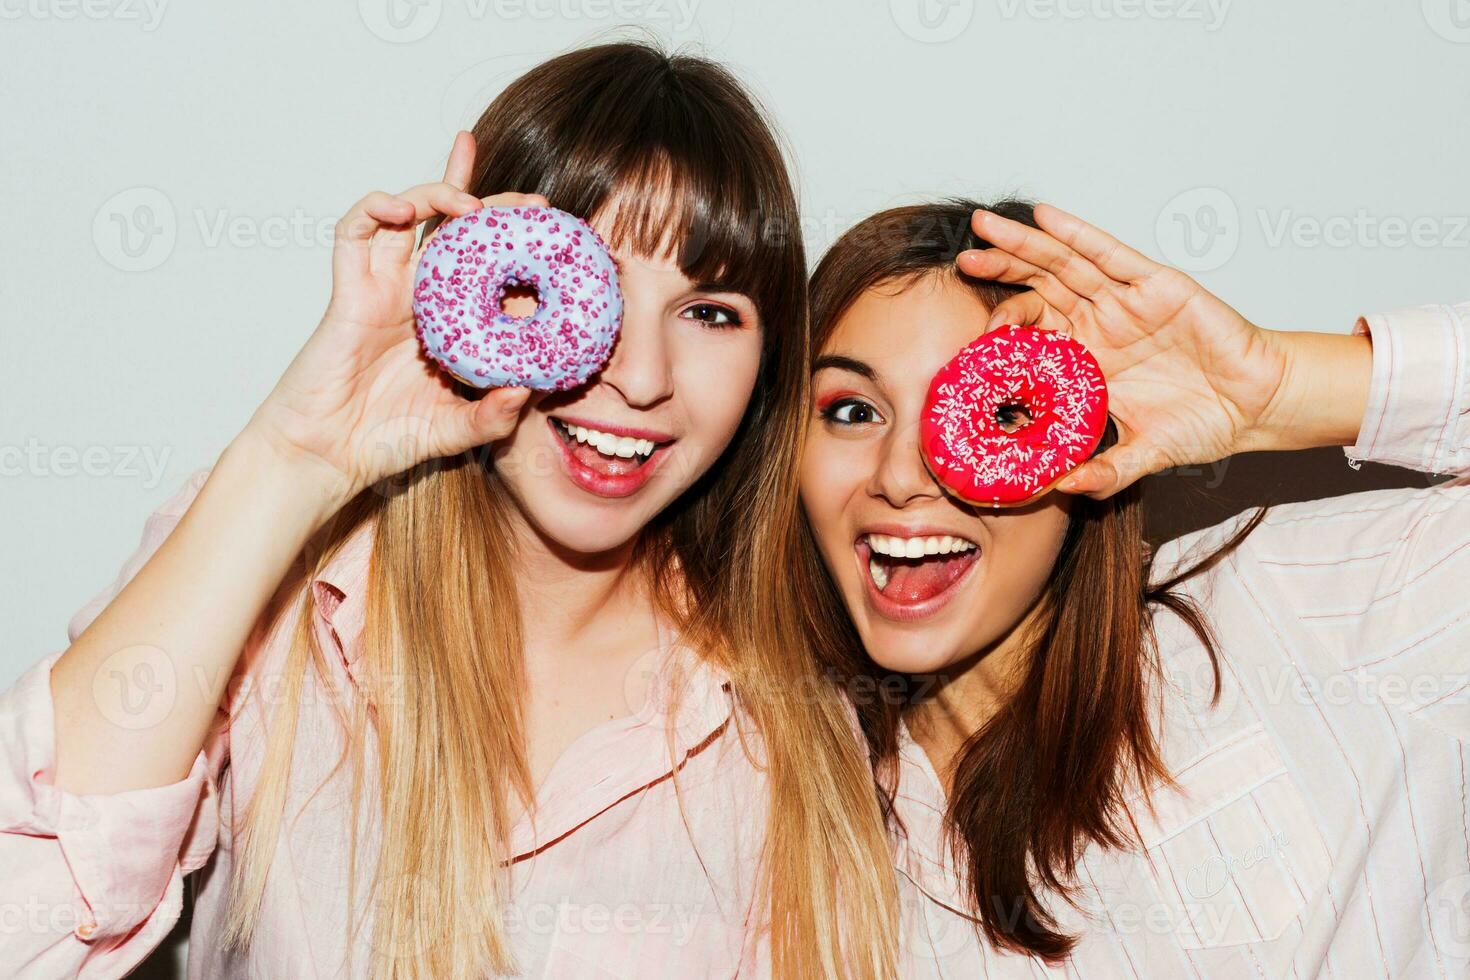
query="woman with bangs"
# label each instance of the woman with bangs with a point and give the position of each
(1240, 756)
(419, 686)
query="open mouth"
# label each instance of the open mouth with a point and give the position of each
(911, 577)
(609, 464)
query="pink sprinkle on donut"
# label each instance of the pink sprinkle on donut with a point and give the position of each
(461, 283)
(1013, 413)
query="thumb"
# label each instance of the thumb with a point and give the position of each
(1106, 474)
(461, 163)
(490, 418)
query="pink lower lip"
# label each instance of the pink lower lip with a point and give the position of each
(604, 484)
(905, 612)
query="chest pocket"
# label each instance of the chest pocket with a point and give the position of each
(1233, 855)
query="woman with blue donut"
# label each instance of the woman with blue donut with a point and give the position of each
(424, 682)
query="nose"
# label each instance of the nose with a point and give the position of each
(641, 368)
(901, 477)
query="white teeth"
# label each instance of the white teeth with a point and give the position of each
(879, 573)
(882, 544)
(608, 444)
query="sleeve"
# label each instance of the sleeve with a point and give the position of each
(93, 883)
(1418, 413)
(1378, 578)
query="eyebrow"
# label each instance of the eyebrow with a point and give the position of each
(840, 363)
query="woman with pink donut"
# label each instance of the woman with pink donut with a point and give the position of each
(427, 679)
(1243, 756)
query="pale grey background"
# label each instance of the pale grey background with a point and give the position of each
(172, 172)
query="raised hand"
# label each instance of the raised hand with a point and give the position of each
(359, 403)
(1190, 380)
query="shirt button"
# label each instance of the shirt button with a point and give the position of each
(85, 930)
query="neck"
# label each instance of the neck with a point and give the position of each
(970, 692)
(568, 596)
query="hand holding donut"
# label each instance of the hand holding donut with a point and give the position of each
(359, 403)
(1189, 379)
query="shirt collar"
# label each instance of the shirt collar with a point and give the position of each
(688, 705)
(920, 853)
(340, 591)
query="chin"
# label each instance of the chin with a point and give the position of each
(569, 521)
(915, 653)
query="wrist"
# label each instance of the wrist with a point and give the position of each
(1322, 395)
(308, 490)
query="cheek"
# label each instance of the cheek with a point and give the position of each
(1024, 554)
(716, 376)
(832, 474)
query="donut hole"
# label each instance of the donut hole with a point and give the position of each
(519, 299)
(1012, 416)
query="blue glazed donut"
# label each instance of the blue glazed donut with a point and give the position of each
(461, 281)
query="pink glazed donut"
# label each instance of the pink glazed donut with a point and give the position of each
(1012, 414)
(462, 278)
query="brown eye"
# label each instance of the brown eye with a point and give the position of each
(712, 315)
(851, 411)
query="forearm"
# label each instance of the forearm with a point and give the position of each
(1322, 396)
(136, 692)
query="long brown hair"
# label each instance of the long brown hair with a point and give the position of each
(1049, 773)
(710, 181)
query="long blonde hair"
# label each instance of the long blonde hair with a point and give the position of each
(441, 608)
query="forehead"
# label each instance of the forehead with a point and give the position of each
(907, 331)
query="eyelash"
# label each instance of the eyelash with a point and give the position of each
(718, 309)
(830, 410)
